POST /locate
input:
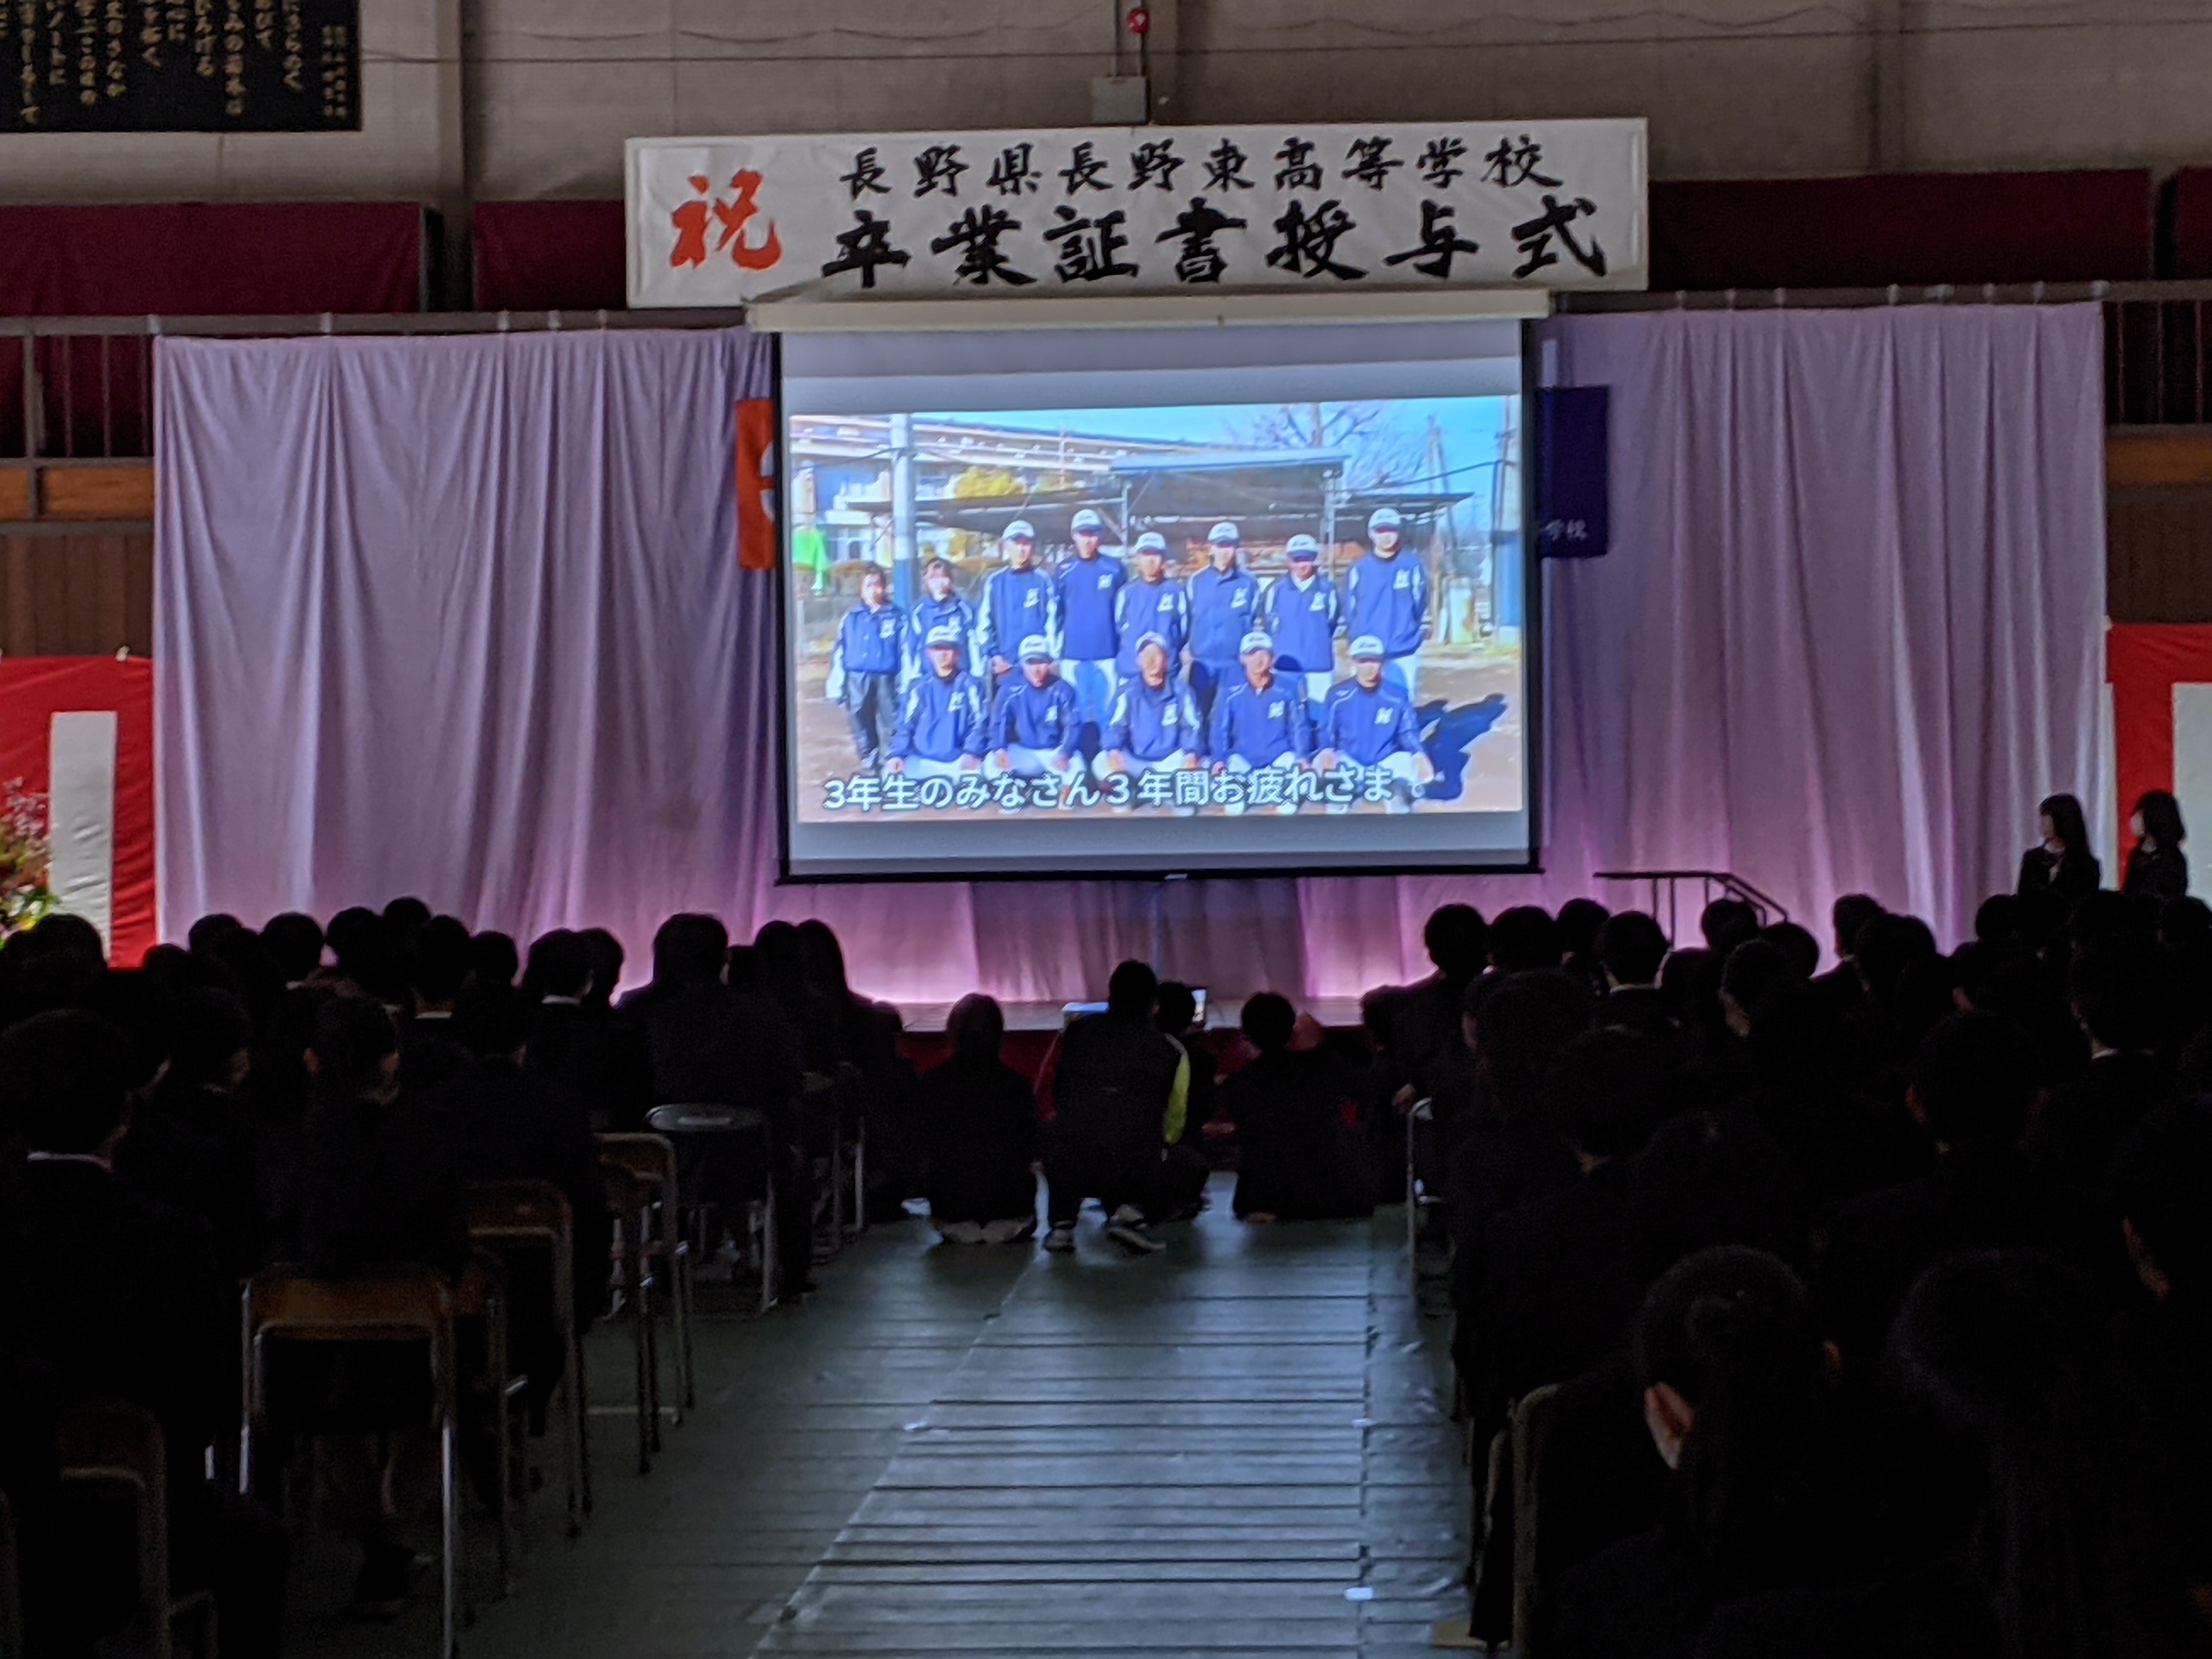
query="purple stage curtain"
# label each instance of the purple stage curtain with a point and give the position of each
(460, 616)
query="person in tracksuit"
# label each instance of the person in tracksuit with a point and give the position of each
(1260, 720)
(1090, 636)
(941, 727)
(1019, 599)
(1154, 725)
(1368, 722)
(1154, 603)
(1303, 613)
(1224, 606)
(938, 607)
(864, 666)
(1035, 720)
(1386, 594)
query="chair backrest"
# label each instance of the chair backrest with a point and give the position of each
(518, 1213)
(650, 1156)
(628, 1193)
(673, 1121)
(1531, 1427)
(283, 1303)
(116, 1443)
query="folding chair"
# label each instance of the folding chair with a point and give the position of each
(629, 1202)
(652, 1159)
(282, 1304)
(1420, 1144)
(115, 1445)
(722, 1150)
(1531, 1428)
(516, 1216)
(481, 1295)
(11, 1585)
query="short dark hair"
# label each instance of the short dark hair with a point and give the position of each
(607, 960)
(1524, 939)
(63, 1080)
(1974, 1080)
(690, 948)
(211, 1026)
(351, 1038)
(1726, 923)
(200, 938)
(1522, 1025)
(1268, 1021)
(1131, 988)
(2160, 1177)
(1796, 944)
(1631, 946)
(408, 914)
(443, 956)
(976, 1026)
(1579, 920)
(1604, 1093)
(1457, 939)
(2119, 995)
(491, 1020)
(1759, 978)
(371, 954)
(1175, 1005)
(1884, 946)
(560, 964)
(493, 959)
(1996, 920)
(1848, 915)
(297, 939)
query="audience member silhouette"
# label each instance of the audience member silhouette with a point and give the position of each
(1297, 1160)
(979, 1119)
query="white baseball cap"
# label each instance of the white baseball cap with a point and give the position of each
(943, 636)
(1258, 640)
(1086, 520)
(1367, 646)
(1020, 530)
(1034, 649)
(1383, 518)
(1302, 547)
(1143, 639)
(1152, 541)
(1223, 531)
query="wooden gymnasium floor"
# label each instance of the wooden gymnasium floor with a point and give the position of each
(1234, 1448)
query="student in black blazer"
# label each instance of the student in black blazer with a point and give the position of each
(2157, 867)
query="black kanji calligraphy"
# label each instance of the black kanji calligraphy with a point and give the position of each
(1154, 163)
(1440, 241)
(938, 168)
(1535, 235)
(1201, 261)
(1298, 170)
(1086, 247)
(1439, 162)
(867, 178)
(1224, 167)
(977, 234)
(1310, 239)
(1083, 168)
(1512, 164)
(1012, 172)
(1369, 164)
(864, 246)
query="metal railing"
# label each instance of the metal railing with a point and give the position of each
(1666, 893)
(79, 389)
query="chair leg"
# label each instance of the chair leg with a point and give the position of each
(679, 1273)
(861, 1179)
(633, 1277)
(503, 1425)
(570, 1446)
(768, 1264)
(449, 1551)
(652, 1350)
(580, 1407)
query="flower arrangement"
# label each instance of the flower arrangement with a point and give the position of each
(26, 859)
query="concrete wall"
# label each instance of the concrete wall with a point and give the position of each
(527, 97)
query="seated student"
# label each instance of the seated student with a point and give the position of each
(1118, 1091)
(120, 1296)
(1737, 1398)
(1525, 940)
(1183, 1172)
(1727, 923)
(1035, 720)
(1631, 949)
(296, 941)
(2119, 994)
(1578, 921)
(578, 1046)
(942, 724)
(428, 1051)
(493, 959)
(506, 1121)
(978, 1120)
(378, 1190)
(1838, 993)
(1298, 1161)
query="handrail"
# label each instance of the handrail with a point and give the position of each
(1730, 886)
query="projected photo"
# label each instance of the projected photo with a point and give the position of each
(1200, 611)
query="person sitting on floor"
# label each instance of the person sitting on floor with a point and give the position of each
(979, 1122)
(1118, 1088)
(1298, 1159)
(1188, 1162)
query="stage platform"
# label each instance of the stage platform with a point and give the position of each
(927, 1019)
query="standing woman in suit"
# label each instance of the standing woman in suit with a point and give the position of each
(2060, 870)
(2156, 864)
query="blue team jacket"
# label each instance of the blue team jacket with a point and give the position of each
(1088, 590)
(1365, 726)
(1388, 599)
(1148, 725)
(1016, 604)
(1034, 717)
(871, 642)
(1260, 725)
(1223, 609)
(952, 611)
(1304, 620)
(1161, 608)
(940, 720)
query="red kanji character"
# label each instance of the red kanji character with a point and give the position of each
(691, 222)
(733, 214)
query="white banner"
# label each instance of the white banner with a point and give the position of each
(1553, 205)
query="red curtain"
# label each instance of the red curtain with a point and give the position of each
(1912, 229)
(550, 256)
(2192, 223)
(2143, 662)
